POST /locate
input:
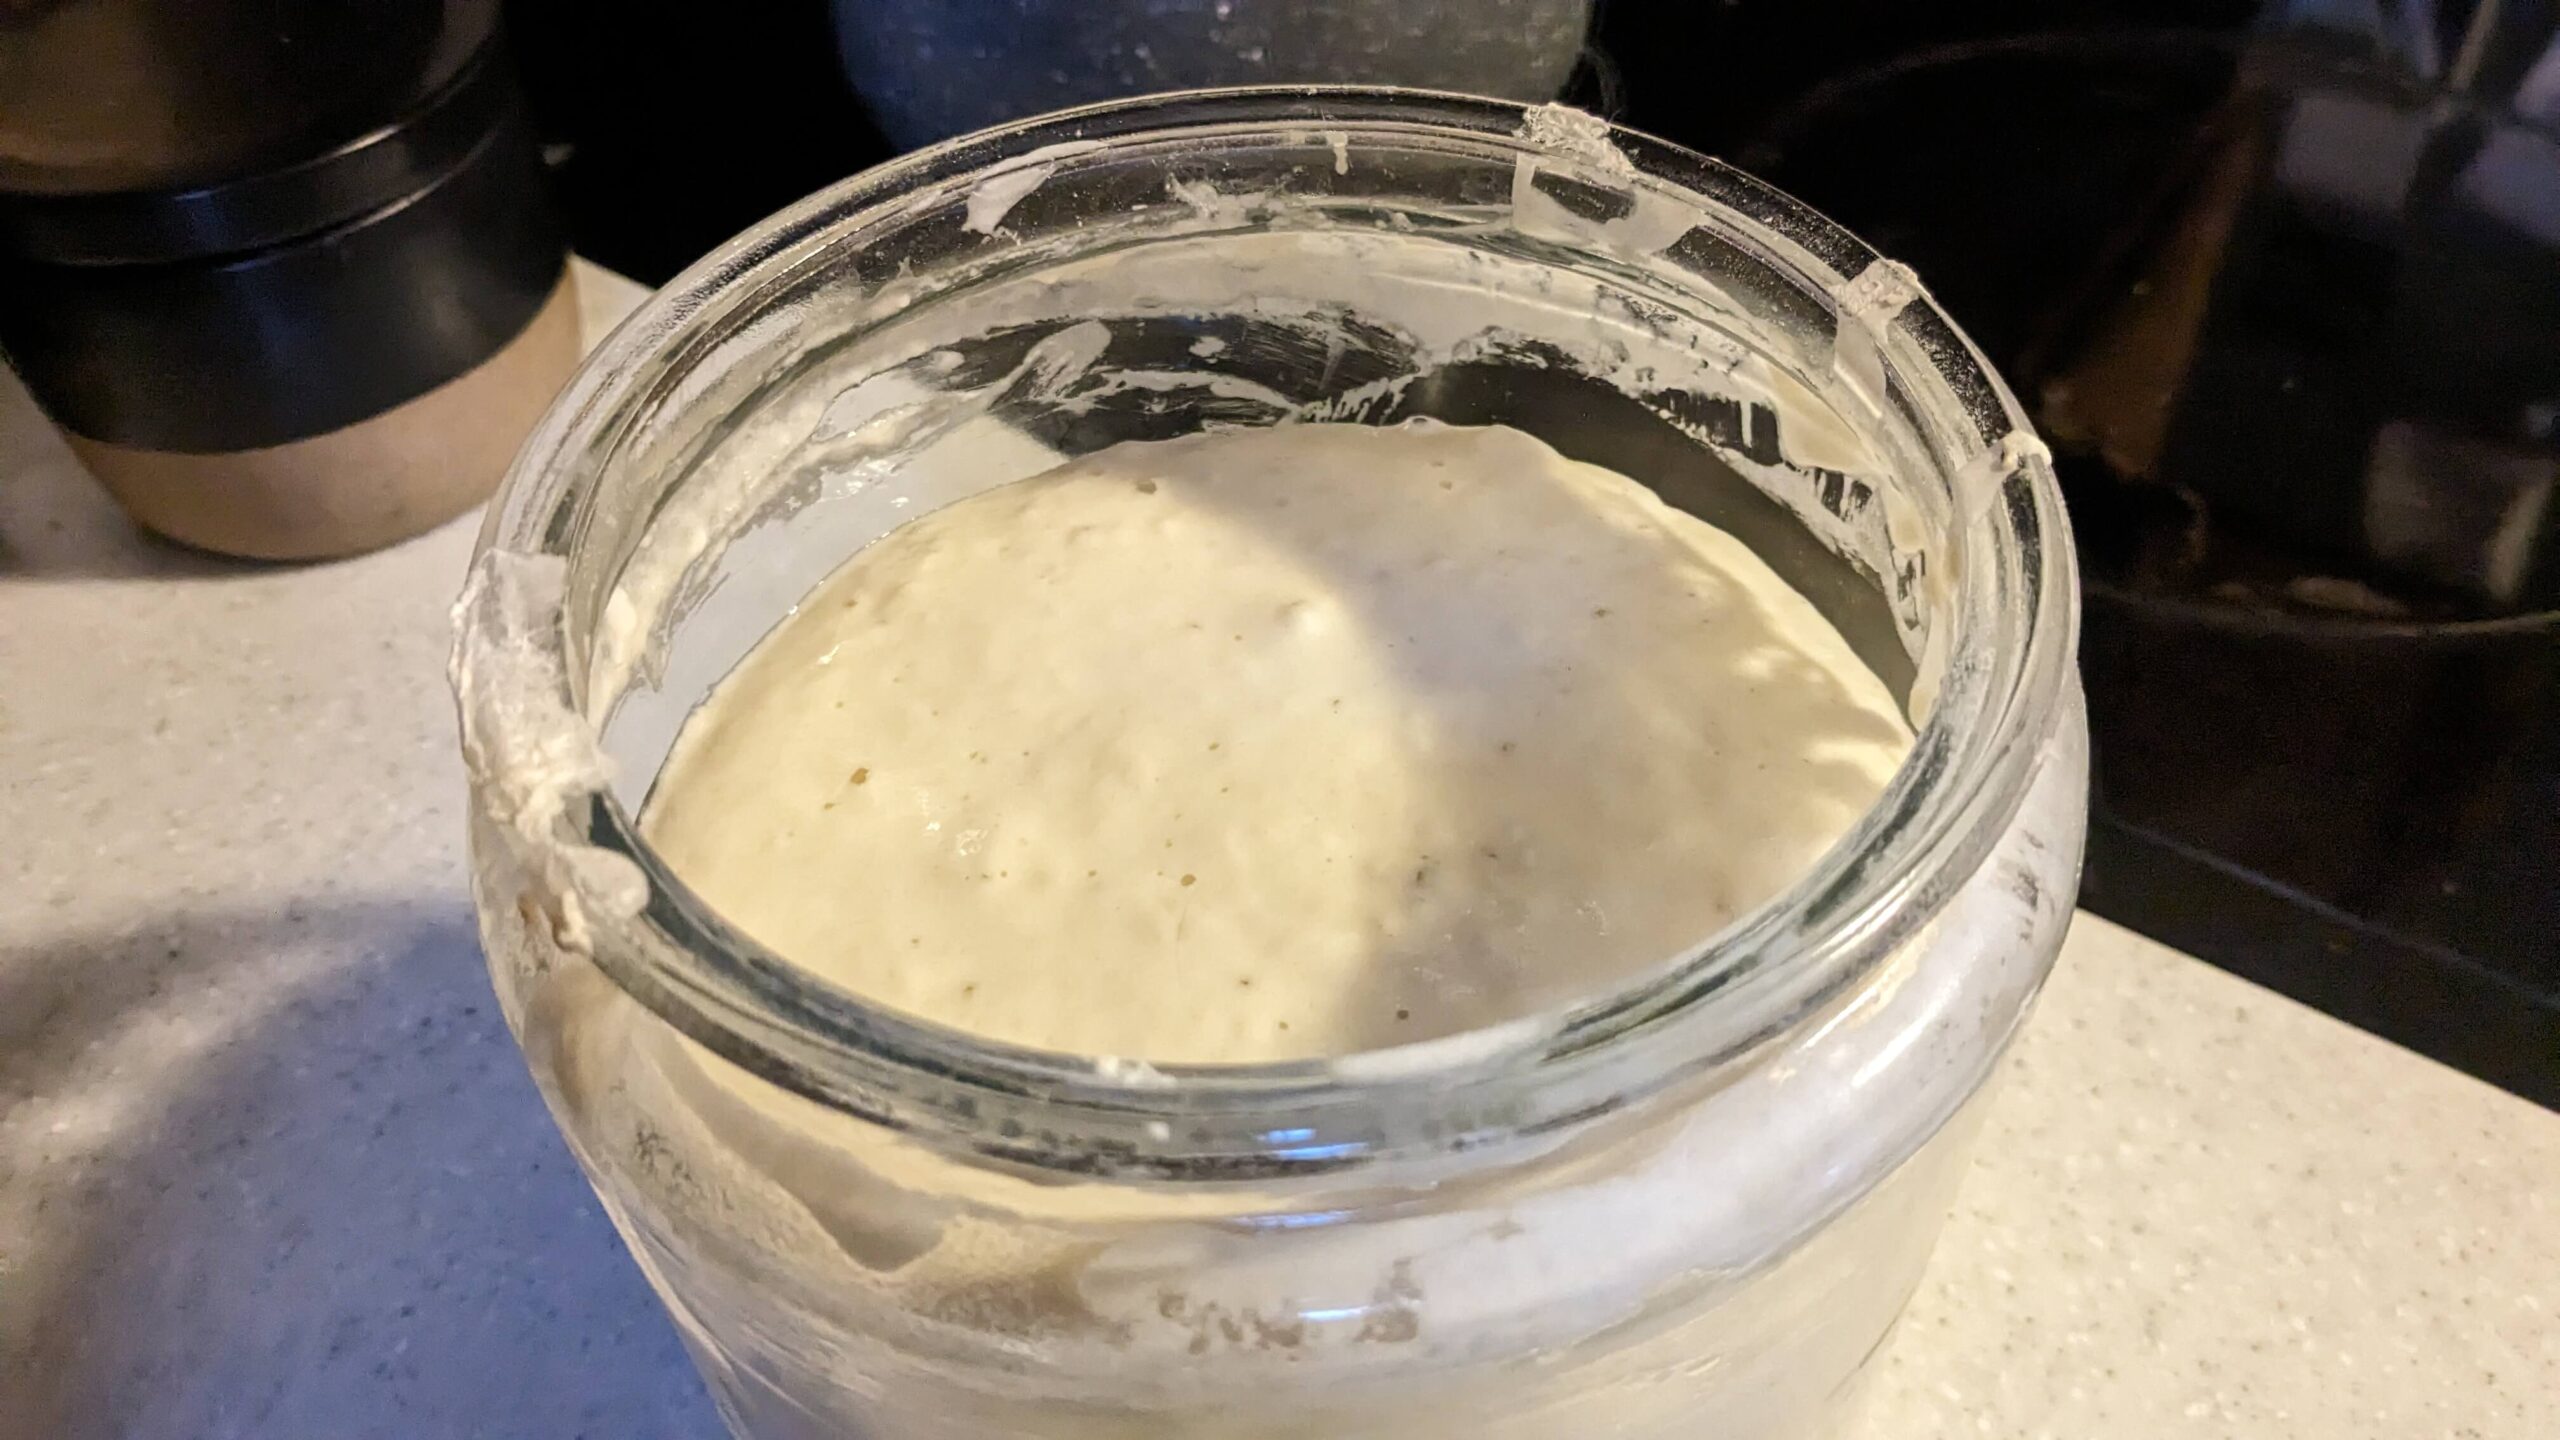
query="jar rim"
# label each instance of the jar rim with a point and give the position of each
(1764, 973)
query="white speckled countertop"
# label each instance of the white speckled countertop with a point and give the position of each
(270, 1167)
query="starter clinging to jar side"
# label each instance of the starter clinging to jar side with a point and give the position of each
(1275, 743)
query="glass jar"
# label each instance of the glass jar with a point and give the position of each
(1699, 1198)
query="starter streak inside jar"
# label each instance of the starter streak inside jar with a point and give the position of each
(1274, 743)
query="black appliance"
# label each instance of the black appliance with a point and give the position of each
(2281, 282)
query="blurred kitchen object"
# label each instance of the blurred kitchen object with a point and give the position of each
(668, 133)
(2282, 283)
(283, 271)
(931, 69)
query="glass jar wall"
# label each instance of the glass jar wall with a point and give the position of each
(1698, 1196)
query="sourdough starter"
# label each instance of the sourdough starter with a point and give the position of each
(1274, 743)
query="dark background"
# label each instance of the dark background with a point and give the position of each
(2321, 763)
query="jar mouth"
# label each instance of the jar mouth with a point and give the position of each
(2009, 609)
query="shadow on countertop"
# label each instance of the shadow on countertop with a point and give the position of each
(342, 1212)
